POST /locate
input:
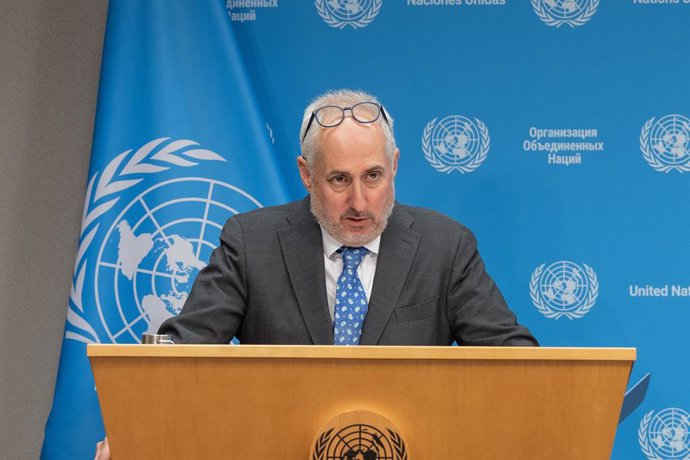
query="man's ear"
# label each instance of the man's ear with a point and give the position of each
(396, 155)
(304, 172)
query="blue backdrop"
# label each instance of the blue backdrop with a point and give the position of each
(558, 130)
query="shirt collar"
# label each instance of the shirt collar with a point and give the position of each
(331, 245)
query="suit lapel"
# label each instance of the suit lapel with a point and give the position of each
(398, 247)
(302, 248)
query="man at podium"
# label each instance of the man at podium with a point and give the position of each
(347, 265)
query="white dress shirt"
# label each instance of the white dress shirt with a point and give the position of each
(333, 263)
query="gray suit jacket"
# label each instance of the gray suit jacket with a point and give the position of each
(265, 284)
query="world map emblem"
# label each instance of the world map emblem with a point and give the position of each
(666, 435)
(353, 13)
(665, 143)
(359, 435)
(564, 289)
(574, 13)
(455, 143)
(144, 239)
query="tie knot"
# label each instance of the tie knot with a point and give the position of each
(352, 257)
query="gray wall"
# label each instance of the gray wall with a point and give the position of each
(50, 54)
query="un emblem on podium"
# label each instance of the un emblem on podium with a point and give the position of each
(666, 435)
(564, 289)
(353, 13)
(359, 435)
(665, 143)
(574, 13)
(455, 143)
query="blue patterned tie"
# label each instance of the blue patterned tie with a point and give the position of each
(350, 299)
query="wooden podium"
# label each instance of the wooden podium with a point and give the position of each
(269, 402)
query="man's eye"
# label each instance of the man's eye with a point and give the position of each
(374, 175)
(338, 179)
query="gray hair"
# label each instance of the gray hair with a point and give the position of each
(340, 98)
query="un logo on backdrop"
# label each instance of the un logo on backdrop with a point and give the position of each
(666, 435)
(455, 143)
(574, 13)
(665, 144)
(564, 288)
(153, 249)
(353, 13)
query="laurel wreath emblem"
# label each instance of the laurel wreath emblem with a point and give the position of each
(398, 445)
(437, 163)
(321, 445)
(649, 155)
(544, 13)
(102, 193)
(643, 439)
(580, 311)
(270, 133)
(330, 19)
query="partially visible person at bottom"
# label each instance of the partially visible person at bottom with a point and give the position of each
(102, 450)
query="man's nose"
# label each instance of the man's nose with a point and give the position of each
(357, 195)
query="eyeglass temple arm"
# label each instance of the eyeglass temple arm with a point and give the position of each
(385, 117)
(306, 130)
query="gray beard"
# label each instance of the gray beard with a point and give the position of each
(335, 229)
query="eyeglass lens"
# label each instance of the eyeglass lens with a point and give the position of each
(330, 115)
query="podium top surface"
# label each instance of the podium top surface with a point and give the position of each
(361, 352)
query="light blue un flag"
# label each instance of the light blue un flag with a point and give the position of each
(179, 147)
